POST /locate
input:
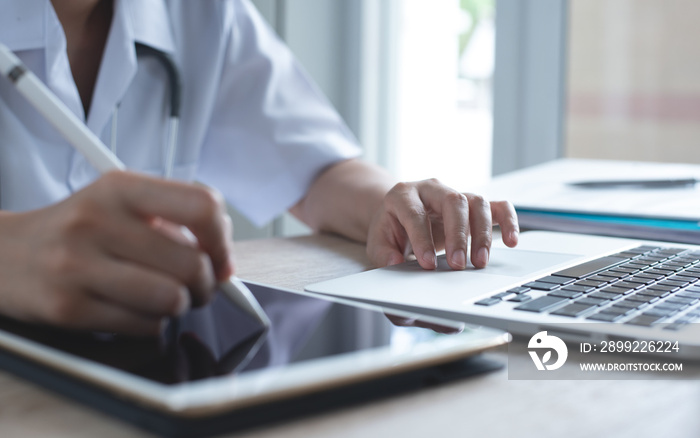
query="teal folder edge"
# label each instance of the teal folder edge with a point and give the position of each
(671, 224)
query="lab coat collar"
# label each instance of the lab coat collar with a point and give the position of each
(117, 70)
(33, 25)
(150, 23)
(145, 21)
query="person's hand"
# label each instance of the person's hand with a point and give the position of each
(404, 321)
(108, 258)
(426, 216)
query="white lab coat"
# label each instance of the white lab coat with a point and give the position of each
(253, 125)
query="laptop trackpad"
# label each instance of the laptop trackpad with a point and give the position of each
(514, 262)
(408, 283)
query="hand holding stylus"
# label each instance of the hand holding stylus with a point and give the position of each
(102, 260)
(114, 222)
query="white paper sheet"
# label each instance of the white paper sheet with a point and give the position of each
(545, 187)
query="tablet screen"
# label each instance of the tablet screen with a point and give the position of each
(220, 339)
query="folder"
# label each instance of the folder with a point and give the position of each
(545, 199)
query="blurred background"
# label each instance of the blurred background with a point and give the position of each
(464, 90)
(634, 80)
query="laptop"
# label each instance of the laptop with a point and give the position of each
(211, 373)
(580, 287)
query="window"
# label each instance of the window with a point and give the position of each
(443, 101)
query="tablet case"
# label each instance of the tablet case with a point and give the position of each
(236, 420)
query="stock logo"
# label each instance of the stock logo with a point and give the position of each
(543, 341)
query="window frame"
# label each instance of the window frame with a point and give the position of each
(529, 83)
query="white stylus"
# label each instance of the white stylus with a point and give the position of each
(99, 155)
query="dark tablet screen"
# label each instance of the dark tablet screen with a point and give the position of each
(220, 339)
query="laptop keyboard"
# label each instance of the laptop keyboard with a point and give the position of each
(640, 286)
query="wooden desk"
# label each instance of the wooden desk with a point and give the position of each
(488, 405)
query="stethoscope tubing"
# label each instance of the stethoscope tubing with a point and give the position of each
(175, 98)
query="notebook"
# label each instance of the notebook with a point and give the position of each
(584, 287)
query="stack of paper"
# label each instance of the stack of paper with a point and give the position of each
(545, 199)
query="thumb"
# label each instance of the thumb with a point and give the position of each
(386, 256)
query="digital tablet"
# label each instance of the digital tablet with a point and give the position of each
(217, 369)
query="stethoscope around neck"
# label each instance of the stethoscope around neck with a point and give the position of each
(175, 86)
